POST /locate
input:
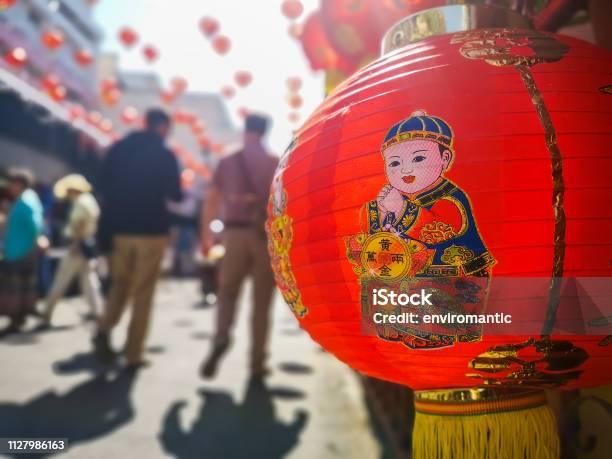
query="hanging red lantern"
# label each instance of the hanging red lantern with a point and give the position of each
(83, 58)
(94, 118)
(221, 44)
(17, 57)
(294, 100)
(317, 47)
(6, 4)
(49, 82)
(167, 97)
(129, 115)
(53, 87)
(292, 9)
(150, 53)
(106, 126)
(76, 112)
(293, 117)
(128, 37)
(198, 127)
(243, 112)
(228, 91)
(209, 26)
(203, 142)
(243, 78)
(53, 39)
(179, 84)
(489, 207)
(295, 30)
(294, 84)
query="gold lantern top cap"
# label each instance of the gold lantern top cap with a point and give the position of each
(458, 16)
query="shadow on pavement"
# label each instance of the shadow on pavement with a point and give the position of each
(234, 431)
(82, 361)
(90, 410)
(295, 368)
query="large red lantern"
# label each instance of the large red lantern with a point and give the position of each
(473, 165)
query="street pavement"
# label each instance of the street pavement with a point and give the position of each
(310, 407)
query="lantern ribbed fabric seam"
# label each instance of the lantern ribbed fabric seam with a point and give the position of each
(511, 402)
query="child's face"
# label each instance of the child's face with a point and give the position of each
(414, 165)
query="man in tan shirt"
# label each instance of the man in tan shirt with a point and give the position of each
(239, 196)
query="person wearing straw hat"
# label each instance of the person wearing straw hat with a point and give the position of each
(81, 258)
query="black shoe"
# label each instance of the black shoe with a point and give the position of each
(102, 349)
(209, 366)
(135, 367)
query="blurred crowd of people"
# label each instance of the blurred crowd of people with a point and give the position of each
(115, 237)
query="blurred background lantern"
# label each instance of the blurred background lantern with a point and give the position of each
(525, 136)
(294, 84)
(128, 37)
(294, 101)
(83, 58)
(221, 44)
(292, 9)
(17, 57)
(243, 78)
(5, 4)
(228, 92)
(209, 26)
(53, 39)
(150, 53)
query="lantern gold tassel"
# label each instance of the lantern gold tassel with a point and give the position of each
(477, 423)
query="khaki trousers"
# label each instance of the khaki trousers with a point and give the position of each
(75, 265)
(246, 255)
(135, 268)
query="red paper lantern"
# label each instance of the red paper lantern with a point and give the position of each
(209, 26)
(49, 82)
(203, 142)
(53, 87)
(294, 100)
(128, 37)
(76, 112)
(293, 117)
(129, 115)
(228, 91)
(295, 30)
(150, 53)
(6, 4)
(198, 127)
(294, 84)
(292, 9)
(317, 47)
(243, 112)
(53, 39)
(167, 97)
(179, 84)
(83, 58)
(17, 57)
(243, 78)
(221, 44)
(479, 153)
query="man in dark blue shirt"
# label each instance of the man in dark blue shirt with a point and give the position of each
(140, 175)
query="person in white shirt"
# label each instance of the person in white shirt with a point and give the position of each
(81, 258)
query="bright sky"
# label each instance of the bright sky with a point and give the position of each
(260, 44)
